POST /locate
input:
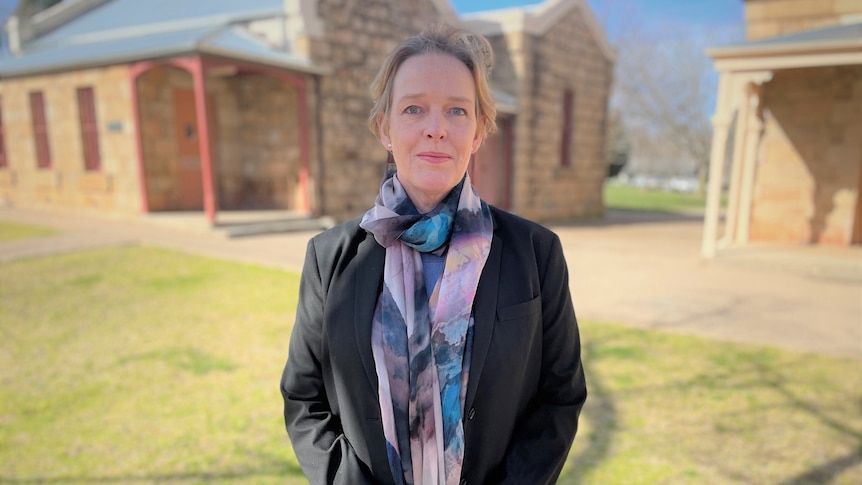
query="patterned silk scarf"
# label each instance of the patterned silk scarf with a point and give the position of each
(421, 345)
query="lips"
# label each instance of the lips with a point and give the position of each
(434, 157)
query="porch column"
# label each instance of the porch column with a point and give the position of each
(135, 71)
(736, 159)
(202, 114)
(302, 92)
(753, 132)
(720, 123)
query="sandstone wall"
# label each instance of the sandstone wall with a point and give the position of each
(258, 142)
(358, 36)
(811, 154)
(565, 58)
(770, 18)
(115, 189)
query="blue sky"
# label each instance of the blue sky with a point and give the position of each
(715, 15)
(723, 18)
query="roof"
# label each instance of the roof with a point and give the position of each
(830, 46)
(121, 31)
(536, 20)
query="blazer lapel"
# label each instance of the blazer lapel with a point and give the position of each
(369, 264)
(484, 315)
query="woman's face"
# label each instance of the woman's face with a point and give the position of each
(432, 126)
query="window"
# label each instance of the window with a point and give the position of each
(568, 125)
(4, 163)
(40, 130)
(89, 129)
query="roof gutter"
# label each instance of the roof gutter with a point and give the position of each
(159, 54)
(787, 55)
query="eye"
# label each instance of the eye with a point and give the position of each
(412, 110)
(459, 111)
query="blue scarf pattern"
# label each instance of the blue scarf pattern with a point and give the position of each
(421, 345)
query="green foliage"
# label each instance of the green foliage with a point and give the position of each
(113, 374)
(618, 196)
(668, 408)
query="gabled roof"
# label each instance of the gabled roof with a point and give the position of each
(536, 20)
(121, 31)
(830, 46)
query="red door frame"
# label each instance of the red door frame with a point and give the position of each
(198, 66)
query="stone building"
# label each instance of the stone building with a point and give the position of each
(789, 121)
(114, 107)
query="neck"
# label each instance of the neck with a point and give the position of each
(423, 203)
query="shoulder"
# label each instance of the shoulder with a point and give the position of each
(340, 232)
(528, 242)
(511, 227)
(337, 242)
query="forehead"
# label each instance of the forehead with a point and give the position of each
(433, 74)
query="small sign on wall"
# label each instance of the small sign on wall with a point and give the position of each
(115, 127)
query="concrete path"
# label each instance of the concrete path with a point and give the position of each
(632, 268)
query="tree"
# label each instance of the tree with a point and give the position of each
(664, 89)
(617, 144)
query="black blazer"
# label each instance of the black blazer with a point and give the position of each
(526, 386)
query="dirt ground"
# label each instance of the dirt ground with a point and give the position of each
(633, 268)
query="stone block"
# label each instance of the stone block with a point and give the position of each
(842, 7)
(761, 30)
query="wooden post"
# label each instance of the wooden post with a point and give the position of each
(720, 124)
(202, 114)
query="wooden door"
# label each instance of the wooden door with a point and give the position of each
(490, 170)
(190, 182)
(857, 221)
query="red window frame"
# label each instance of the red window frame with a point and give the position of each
(568, 125)
(40, 130)
(4, 162)
(89, 129)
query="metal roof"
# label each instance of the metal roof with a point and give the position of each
(121, 31)
(128, 17)
(829, 38)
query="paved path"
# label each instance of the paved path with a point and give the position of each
(638, 269)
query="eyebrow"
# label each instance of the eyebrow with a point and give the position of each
(410, 97)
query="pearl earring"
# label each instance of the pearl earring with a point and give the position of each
(389, 147)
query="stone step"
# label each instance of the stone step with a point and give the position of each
(275, 226)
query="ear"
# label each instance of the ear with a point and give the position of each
(479, 138)
(383, 130)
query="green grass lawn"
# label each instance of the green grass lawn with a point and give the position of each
(141, 365)
(10, 231)
(619, 196)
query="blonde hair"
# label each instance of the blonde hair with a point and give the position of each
(471, 49)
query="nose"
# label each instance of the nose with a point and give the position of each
(435, 129)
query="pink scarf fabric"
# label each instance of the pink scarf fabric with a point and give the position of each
(420, 345)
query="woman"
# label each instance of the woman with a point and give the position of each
(435, 339)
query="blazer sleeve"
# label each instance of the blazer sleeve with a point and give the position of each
(315, 431)
(542, 438)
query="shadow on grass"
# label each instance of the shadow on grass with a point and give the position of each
(827, 472)
(765, 376)
(601, 413)
(271, 466)
(769, 375)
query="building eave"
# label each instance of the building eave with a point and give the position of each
(830, 46)
(536, 20)
(787, 56)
